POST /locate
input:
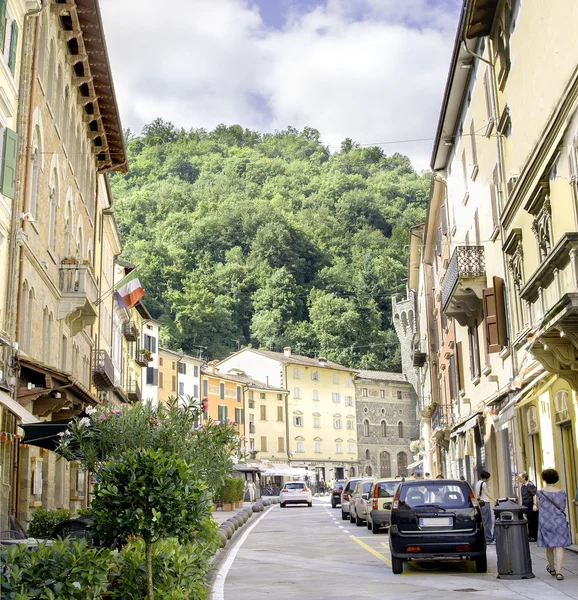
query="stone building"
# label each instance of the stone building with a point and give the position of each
(386, 423)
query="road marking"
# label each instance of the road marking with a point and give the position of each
(341, 527)
(373, 551)
(218, 592)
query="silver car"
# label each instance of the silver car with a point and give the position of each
(345, 495)
(359, 502)
(380, 500)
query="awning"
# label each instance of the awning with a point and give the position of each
(16, 409)
(287, 472)
(415, 464)
(44, 434)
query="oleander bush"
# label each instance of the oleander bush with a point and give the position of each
(43, 522)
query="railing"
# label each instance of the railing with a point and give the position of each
(129, 331)
(133, 390)
(442, 417)
(466, 262)
(78, 279)
(102, 370)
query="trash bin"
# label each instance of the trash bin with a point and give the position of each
(512, 547)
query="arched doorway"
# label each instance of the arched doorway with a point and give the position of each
(402, 463)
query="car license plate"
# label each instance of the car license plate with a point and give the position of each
(435, 522)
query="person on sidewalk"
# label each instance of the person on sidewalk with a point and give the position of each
(553, 528)
(251, 490)
(486, 501)
(528, 493)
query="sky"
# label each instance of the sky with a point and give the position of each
(370, 70)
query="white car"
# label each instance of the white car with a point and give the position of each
(295, 492)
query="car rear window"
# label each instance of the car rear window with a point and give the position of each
(338, 486)
(386, 489)
(445, 495)
(351, 485)
(366, 487)
(294, 486)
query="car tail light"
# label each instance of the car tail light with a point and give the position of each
(474, 499)
(304, 490)
(284, 490)
(375, 505)
(345, 496)
(395, 504)
(463, 548)
(413, 549)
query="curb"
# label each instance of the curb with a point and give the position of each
(262, 506)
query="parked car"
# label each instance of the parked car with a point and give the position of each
(345, 495)
(380, 500)
(295, 492)
(359, 501)
(437, 519)
(335, 493)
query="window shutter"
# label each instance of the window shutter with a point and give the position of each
(155, 376)
(13, 47)
(460, 365)
(220, 414)
(279, 413)
(501, 311)
(263, 444)
(2, 21)
(263, 412)
(9, 163)
(242, 414)
(491, 321)
(150, 375)
(174, 385)
(444, 219)
(161, 380)
(153, 344)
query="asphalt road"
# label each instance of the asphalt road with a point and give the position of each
(300, 553)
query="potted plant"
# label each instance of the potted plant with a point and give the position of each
(69, 260)
(146, 354)
(228, 492)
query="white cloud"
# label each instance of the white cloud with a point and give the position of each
(366, 69)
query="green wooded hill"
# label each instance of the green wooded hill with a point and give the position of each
(269, 239)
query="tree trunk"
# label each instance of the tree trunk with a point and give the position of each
(149, 559)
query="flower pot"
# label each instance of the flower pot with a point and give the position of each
(227, 506)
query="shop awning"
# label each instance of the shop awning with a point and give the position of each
(284, 472)
(415, 464)
(44, 434)
(16, 409)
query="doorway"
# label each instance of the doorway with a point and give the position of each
(570, 474)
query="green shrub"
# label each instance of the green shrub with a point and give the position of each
(179, 571)
(66, 570)
(240, 483)
(228, 491)
(43, 522)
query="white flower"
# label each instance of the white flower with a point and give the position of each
(90, 410)
(84, 422)
(76, 584)
(234, 459)
(64, 433)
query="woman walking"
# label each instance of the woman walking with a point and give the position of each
(553, 530)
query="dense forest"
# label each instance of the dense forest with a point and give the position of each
(269, 240)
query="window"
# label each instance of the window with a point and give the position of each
(205, 387)
(495, 327)
(45, 334)
(295, 373)
(279, 413)
(364, 392)
(382, 393)
(489, 100)
(34, 180)
(339, 448)
(351, 448)
(181, 388)
(299, 446)
(150, 344)
(474, 149)
(366, 428)
(348, 383)
(315, 395)
(315, 375)
(383, 429)
(182, 368)
(152, 376)
(238, 393)
(252, 445)
(173, 366)
(400, 429)
(161, 380)
(222, 391)
(280, 397)
(262, 396)
(494, 195)
(385, 467)
(335, 378)
(174, 383)
(280, 444)
(13, 46)
(348, 400)
(337, 423)
(263, 444)
(317, 447)
(350, 424)
(240, 416)
(263, 412)
(195, 391)
(298, 421)
(296, 393)
(195, 371)
(316, 422)
(402, 463)
(223, 413)
(53, 211)
(465, 175)
(367, 455)
(51, 72)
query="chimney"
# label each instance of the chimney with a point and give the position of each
(287, 351)
(322, 361)
(212, 366)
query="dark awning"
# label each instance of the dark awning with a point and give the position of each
(45, 434)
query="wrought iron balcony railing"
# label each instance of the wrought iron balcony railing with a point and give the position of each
(133, 391)
(102, 370)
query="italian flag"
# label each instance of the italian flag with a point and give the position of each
(129, 290)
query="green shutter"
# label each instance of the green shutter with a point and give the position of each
(225, 413)
(220, 414)
(2, 21)
(242, 411)
(9, 158)
(13, 47)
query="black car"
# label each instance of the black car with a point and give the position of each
(436, 519)
(336, 492)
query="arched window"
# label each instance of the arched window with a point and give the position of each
(51, 72)
(383, 429)
(366, 428)
(24, 316)
(34, 180)
(65, 119)
(42, 49)
(367, 455)
(53, 211)
(58, 102)
(400, 429)
(384, 464)
(402, 463)
(49, 346)
(368, 471)
(352, 472)
(30, 309)
(80, 244)
(45, 338)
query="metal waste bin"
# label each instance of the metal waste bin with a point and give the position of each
(512, 547)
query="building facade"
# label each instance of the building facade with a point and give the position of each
(385, 418)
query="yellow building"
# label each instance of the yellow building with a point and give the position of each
(169, 363)
(321, 396)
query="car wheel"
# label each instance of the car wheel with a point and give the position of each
(358, 521)
(374, 528)
(333, 505)
(368, 523)
(396, 565)
(344, 515)
(309, 504)
(351, 517)
(481, 564)
(282, 505)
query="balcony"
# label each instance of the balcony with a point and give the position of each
(443, 417)
(130, 331)
(102, 370)
(463, 284)
(133, 391)
(143, 358)
(79, 293)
